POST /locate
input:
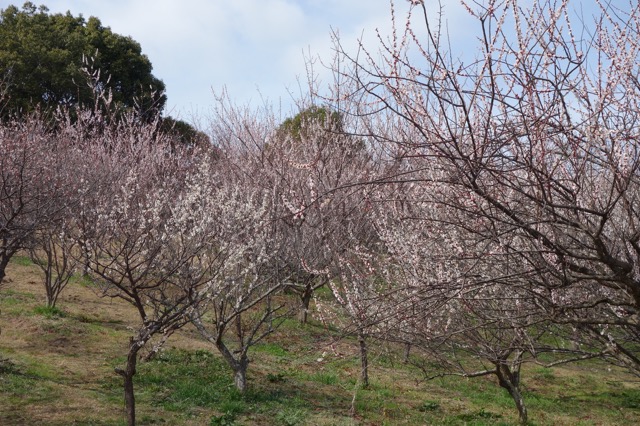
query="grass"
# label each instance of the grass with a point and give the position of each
(22, 260)
(49, 312)
(292, 416)
(57, 368)
(273, 349)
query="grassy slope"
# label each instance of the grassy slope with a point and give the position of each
(60, 372)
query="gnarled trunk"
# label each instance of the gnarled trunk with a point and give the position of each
(510, 380)
(238, 365)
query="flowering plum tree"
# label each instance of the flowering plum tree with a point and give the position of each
(55, 247)
(539, 132)
(534, 140)
(238, 308)
(313, 166)
(239, 302)
(150, 239)
(30, 189)
(54, 251)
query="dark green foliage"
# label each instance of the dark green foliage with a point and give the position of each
(629, 398)
(477, 418)
(183, 132)
(42, 57)
(296, 126)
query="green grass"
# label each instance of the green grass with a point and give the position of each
(14, 303)
(22, 260)
(189, 383)
(25, 384)
(273, 349)
(543, 373)
(291, 416)
(83, 280)
(325, 378)
(49, 312)
(185, 382)
(15, 296)
(300, 375)
(10, 301)
(197, 379)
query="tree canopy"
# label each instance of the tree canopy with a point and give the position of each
(183, 132)
(299, 124)
(59, 59)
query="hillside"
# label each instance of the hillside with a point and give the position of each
(58, 369)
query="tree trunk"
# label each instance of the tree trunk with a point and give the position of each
(510, 380)
(239, 366)
(127, 374)
(4, 261)
(407, 351)
(129, 399)
(48, 284)
(86, 256)
(364, 360)
(305, 301)
(240, 375)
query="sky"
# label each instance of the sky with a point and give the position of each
(256, 49)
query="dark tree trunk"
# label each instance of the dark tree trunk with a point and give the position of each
(305, 301)
(129, 400)
(127, 374)
(364, 360)
(48, 284)
(510, 380)
(4, 261)
(407, 351)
